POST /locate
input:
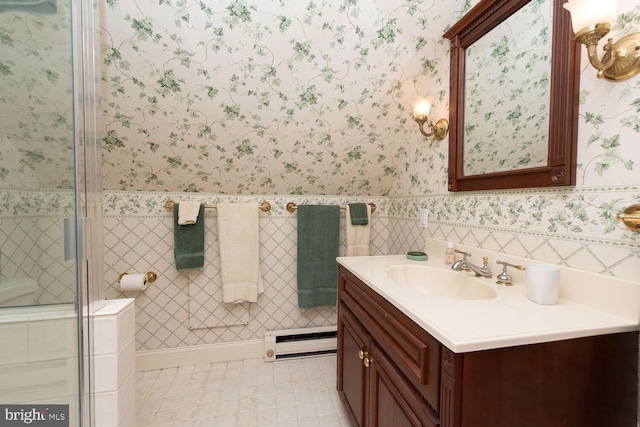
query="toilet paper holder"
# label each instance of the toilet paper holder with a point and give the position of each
(151, 277)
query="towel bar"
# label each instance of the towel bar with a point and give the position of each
(292, 207)
(264, 206)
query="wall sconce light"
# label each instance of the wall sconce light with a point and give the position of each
(421, 110)
(591, 21)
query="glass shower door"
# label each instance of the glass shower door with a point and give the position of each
(47, 148)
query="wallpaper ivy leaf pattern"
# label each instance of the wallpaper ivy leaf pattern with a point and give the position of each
(246, 97)
(278, 97)
(36, 100)
(507, 93)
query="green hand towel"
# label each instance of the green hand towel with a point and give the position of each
(318, 243)
(189, 242)
(359, 213)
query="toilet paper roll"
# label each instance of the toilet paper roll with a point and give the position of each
(133, 282)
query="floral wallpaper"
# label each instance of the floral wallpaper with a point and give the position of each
(268, 96)
(236, 117)
(507, 93)
(308, 98)
(609, 127)
(36, 149)
(36, 100)
(219, 55)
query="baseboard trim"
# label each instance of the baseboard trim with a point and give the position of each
(147, 360)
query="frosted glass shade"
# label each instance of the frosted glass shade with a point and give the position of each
(585, 13)
(421, 108)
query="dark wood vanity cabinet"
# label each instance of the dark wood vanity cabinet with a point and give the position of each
(392, 373)
(388, 368)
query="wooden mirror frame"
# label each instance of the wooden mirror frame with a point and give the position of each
(563, 107)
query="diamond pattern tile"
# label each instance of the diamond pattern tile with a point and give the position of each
(404, 235)
(160, 319)
(184, 308)
(32, 247)
(141, 242)
(628, 265)
(205, 293)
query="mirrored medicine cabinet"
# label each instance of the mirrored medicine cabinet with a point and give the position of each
(514, 93)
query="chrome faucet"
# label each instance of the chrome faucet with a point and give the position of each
(461, 264)
(483, 271)
(465, 265)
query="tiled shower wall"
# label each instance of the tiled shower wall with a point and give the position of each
(139, 238)
(32, 241)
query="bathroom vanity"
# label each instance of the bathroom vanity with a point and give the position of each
(414, 357)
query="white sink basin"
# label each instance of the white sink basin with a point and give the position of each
(441, 282)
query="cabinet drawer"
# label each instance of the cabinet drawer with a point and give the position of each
(412, 349)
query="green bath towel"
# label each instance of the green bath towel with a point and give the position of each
(359, 213)
(189, 242)
(318, 243)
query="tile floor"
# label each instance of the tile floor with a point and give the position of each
(299, 392)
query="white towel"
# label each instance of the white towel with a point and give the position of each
(239, 252)
(188, 212)
(358, 236)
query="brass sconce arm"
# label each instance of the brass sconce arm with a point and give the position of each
(439, 130)
(591, 21)
(630, 217)
(590, 37)
(421, 109)
(621, 59)
(592, 51)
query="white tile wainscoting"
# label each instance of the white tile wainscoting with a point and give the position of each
(139, 236)
(114, 358)
(38, 357)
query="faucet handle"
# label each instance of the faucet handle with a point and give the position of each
(463, 253)
(462, 264)
(503, 278)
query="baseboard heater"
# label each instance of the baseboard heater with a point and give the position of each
(303, 342)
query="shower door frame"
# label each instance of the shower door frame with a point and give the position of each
(88, 194)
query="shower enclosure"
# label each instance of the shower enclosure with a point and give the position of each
(50, 206)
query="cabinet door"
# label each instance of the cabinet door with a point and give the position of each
(353, 346)
(414, 352)
(393, 401)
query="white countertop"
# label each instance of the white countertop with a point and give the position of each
(511, 318)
